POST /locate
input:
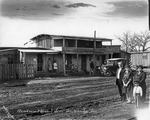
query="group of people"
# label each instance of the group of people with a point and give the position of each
(52, 67)
(131, 85)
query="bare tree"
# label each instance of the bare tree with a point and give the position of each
(129, 42)
(125, 40)
(143, 39)
(133, 42)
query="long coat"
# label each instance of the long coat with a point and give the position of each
(119, 82)
(141, 79)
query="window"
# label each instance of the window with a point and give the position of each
(58, 42)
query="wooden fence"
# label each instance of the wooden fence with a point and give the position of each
(16, 71)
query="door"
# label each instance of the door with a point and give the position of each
(69, 61)
(103, 58)
(83, 63)
(39, 62)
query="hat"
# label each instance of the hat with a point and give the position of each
(140, 66)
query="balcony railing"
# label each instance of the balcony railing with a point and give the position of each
(113, 48)
(104, 49)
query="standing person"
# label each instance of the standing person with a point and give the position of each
(55, 66)
(91, 67)
(119, 76)
(128, 84)
(49, 65)
(140, 76)
(137, 94)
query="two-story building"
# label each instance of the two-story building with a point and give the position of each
(75, 52)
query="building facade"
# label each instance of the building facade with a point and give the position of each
(71, 53)
(75, 52)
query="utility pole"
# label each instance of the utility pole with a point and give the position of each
(94, 60)
(149, 14)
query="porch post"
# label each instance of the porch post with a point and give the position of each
(64, 59)
(77, 62)
(64, 64)
(63, 42)
(111, 55)
(111, 43)
(76, 44)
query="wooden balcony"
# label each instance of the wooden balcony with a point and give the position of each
(103, 50)
(113, 48)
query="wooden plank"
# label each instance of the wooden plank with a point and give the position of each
(77, 62)
(28, 70)
(0, 73)
(23, 71)
(5, 68)
(9, 71)
(20, 69)
(14, 71)
(64, 65)
(4, 72)
(90, 50)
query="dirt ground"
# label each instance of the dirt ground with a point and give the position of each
(65, 98)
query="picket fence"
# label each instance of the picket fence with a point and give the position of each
(16, 71)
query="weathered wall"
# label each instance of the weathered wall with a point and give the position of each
(141, 59)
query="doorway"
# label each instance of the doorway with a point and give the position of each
(83, 63)
(103, 58)
(39, 62)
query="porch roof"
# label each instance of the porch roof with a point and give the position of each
(39, 51)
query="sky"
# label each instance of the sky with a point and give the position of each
(21, 20)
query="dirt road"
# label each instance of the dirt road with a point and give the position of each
(65, 98)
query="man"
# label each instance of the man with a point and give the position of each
(91, 67)
(119, 77)
(49, 65)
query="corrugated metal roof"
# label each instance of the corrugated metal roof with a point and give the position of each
(29, 50)
(14, 48)
(38, 51)
(70, 37)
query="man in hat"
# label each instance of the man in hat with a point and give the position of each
(119, 77)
